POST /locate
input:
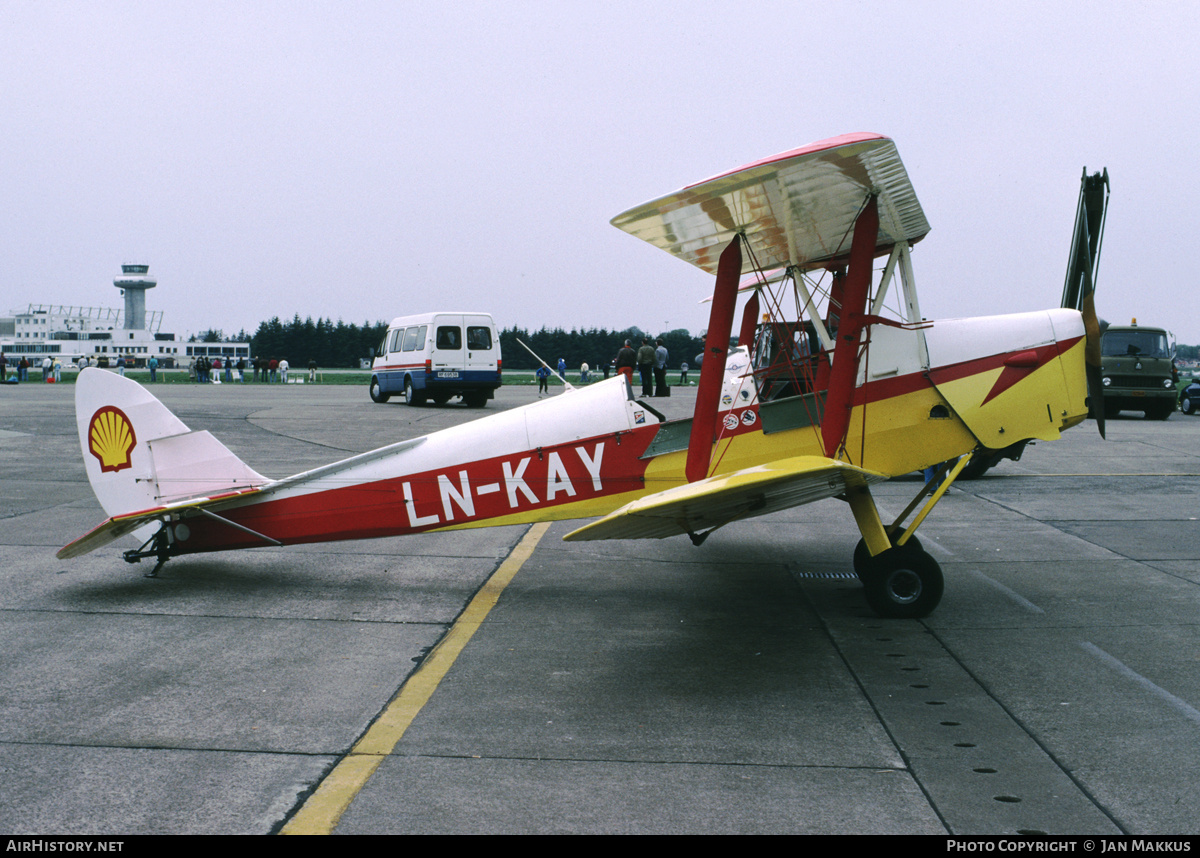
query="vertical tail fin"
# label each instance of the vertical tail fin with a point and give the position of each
(139, 455)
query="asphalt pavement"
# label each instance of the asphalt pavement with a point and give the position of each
(502, 681)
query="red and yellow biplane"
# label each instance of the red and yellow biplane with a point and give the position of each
(838, 384)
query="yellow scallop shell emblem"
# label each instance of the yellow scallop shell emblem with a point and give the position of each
(111, 438)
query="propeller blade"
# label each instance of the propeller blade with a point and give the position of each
(1080, 288)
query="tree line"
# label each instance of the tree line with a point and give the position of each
(331, 344)
(340, 345)
(592, 346)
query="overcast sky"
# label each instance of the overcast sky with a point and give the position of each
(360, 160)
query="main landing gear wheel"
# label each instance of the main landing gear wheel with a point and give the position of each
(902, 583)
(862, 556)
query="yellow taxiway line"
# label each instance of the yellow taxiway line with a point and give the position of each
(320, 814)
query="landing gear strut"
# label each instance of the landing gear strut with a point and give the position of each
(900, 579)
(157, 546)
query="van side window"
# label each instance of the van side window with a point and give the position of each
(411, 338)
(449, 337)
(479, 338)
(394, 345)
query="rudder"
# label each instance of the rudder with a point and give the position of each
(139, 455)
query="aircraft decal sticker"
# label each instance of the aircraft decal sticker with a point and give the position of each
(111, 438)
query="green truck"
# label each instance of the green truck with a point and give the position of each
(1138, 370)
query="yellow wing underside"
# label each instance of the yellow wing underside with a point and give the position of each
(710, 503)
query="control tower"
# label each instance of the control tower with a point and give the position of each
(133, 282)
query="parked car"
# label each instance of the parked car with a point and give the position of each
(1189, 397)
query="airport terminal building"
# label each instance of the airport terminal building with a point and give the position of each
(102, 334)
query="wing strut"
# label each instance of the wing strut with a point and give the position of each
(749, 321)
(851, 322)
(712, 370)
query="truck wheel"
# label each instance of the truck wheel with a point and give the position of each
(377, 394)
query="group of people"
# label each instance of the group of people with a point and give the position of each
(272, 371)
(51, 368)
(651, 363)
(203, 369)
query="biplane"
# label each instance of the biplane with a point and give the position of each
(838, 383)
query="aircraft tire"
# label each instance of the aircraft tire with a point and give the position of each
(862, 557)
(377, 394)
(903, 585)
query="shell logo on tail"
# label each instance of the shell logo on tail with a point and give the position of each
(111, 438)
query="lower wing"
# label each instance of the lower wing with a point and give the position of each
(700, 507)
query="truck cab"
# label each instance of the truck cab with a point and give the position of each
(1138, 370)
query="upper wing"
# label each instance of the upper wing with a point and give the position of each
(795, 208)
(710, 503)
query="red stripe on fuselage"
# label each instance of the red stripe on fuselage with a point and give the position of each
(471, 492)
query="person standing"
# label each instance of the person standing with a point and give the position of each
(153, 365)
(3, 366)
(645, 362)
(283, 369)
(543, 378)
(626, 361)
(660, 369)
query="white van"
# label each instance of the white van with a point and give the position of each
(438, 356)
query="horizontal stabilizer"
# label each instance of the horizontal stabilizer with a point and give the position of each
(120, 525)
(710, 503)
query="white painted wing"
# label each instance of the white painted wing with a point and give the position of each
(716, 501)
(798, 207)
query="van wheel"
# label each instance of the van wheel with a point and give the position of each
(475, 400)
(411, 396)
(377, 394)
(441, 398)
